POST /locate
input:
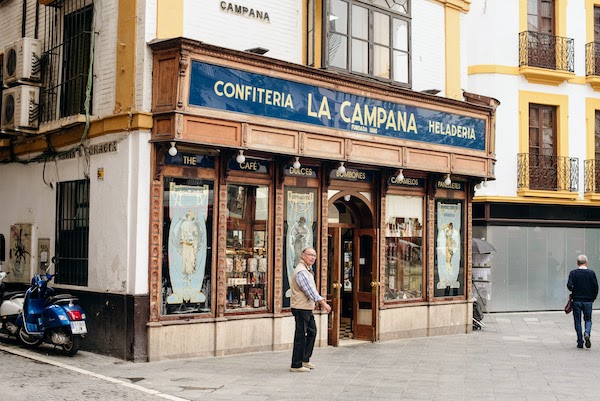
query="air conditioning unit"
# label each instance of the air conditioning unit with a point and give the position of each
(22, 61)
(20, 108)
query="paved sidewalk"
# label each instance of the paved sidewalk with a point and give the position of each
(524, 356)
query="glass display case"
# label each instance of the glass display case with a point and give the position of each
(247, 262)
(403, 248)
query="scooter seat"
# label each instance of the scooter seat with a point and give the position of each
(11, 294)
(61, 298)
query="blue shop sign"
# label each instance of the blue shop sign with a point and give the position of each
(190, 159)
(240, 91)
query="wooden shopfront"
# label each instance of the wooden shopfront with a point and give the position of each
(256, 159)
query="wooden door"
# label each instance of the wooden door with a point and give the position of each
(334, 285)
(366, 285)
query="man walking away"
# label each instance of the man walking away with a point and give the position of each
(304, 299)
(584, 288)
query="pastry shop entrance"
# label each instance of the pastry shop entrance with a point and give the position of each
(352, 269)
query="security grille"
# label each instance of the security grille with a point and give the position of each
(66, 58)
(72, 232)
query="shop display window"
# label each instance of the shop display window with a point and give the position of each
(187, 245)
(449, 260)
(247, 269)
(404, 248)
(299, 231)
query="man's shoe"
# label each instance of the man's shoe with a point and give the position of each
(579, 345)
(308, 365)
(588, 343)
(301, 369)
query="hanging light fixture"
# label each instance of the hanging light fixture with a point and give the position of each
(173, 150)
(447, 180)
(296, 164)
(347, 197)
(485, 183)
(400, 176)
(240, 158)
(478, 185)
(341, 169)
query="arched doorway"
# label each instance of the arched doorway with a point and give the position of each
(352, 285)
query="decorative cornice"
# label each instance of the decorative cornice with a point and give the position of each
(594, 81)
(544, 76)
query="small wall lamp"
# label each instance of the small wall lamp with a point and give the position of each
(400, 175)
(297, 164)
(240, 158)
(447, 180)
(341, 169)
(347, 197)
(173, 149)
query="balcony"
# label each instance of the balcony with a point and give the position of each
(547, 173)
(592, 66)
(592, 178)
(546, 59)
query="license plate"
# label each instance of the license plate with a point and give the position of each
(78, 327)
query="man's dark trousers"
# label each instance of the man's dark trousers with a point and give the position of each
(586, 309)
(304, 336)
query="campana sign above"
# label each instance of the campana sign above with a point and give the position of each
(239, 91)
(244, 11)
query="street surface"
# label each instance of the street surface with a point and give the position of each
(520, 356)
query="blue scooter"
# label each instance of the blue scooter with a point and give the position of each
(54, 319)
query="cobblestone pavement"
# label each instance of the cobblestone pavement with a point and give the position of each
(524, 356)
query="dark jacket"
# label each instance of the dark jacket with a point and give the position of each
(583, 284)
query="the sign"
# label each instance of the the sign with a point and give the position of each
(190, 159)
(352, 175)
(252, 165)
(240, 91)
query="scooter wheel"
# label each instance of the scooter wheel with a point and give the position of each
(72, 346)
(28, 340)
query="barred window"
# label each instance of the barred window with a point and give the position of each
(72, 232)
(68, 35)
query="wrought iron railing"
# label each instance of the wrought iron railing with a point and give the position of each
(546, 51)
(592, 176)
(550, 173)
(592, 59)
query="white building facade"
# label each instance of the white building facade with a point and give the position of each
(539, 59)
(124, 160)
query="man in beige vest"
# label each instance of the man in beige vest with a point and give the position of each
(304, 298)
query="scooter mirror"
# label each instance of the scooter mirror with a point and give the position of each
(2, 248)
